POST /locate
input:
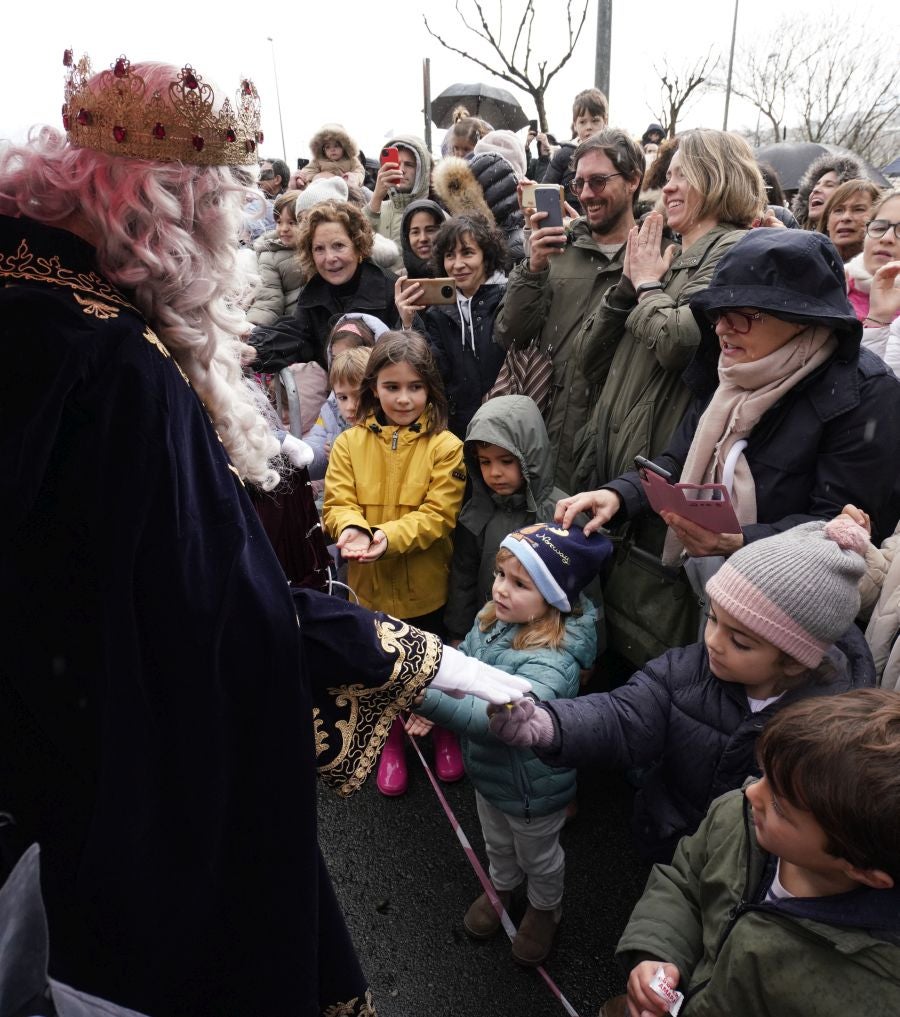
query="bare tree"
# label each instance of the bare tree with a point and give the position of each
(678, 87)
(515, 62)
(832, 82)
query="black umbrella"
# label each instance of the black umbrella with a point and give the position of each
(495, 105)
(791, 159)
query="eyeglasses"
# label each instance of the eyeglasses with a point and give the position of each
(597, 182)
(877, 228)
(738, 321)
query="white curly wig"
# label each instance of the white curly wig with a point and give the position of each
(167, 234)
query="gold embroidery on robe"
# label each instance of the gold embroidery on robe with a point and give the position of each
(96, 308)
(355, 1008)
(369, 712)
(25, 265)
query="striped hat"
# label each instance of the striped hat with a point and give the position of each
(798, 590)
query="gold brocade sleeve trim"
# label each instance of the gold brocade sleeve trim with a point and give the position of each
(367, 713)
(359, 1007)
(26, 265)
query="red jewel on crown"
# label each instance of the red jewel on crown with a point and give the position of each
(158, 132)
(66, 121)
(120, 134)
(230, 136)
(250, 145)
(84, 118)
(121, 68)
(67, 58)
(259, 137)
(190, 80)
(198, 142)
(246, 87)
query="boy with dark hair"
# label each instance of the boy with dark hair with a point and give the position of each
(786, 900)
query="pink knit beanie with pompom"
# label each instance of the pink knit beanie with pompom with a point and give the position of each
(798, 590)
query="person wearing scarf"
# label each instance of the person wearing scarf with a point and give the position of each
(779, 367)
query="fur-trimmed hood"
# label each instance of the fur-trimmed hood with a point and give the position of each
(457, 187)
(339, 133)
(847, 167)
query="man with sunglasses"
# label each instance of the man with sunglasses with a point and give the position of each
(550, 295)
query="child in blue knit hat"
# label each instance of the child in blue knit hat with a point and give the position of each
(537, 626)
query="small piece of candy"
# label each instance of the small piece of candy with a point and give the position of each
(663, 988)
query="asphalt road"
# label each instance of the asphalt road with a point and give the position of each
(404, 884)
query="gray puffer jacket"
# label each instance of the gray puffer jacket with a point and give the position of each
(280, 277)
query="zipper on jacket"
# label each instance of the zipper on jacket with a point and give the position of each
(394, 439)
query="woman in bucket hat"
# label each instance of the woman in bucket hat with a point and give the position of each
(779, 367)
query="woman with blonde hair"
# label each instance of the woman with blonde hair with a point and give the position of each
(334, 246)
(844, 217)
(643, 334)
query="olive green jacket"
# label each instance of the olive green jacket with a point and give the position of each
(636, 352)
(551, 307)
(741, 957)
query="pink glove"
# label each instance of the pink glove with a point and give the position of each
(523, 725)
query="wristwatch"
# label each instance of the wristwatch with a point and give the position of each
(645, 287)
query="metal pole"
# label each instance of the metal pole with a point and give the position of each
(604, 46)
(730, 66)
(278, 100)
(426, 88)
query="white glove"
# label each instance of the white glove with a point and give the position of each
(297, 451)
(460, 676)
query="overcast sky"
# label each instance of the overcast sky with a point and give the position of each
(360, 63)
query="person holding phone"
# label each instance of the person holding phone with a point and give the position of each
(779, 366)
(471, 252)
(401, 180)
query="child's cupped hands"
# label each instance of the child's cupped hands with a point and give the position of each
(357, 545)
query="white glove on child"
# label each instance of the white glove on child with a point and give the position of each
(297, 451)
(460, 676)
(523, 725)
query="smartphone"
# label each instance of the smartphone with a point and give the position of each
(549, 198)
(434, 291)
(645, 464)
(390, 154)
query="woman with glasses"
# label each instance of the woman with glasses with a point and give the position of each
(872, 281)
(642, 337)
(785, 405)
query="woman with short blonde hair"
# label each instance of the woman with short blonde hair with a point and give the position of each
(720, 166)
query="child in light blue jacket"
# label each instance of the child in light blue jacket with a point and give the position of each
(537, 626)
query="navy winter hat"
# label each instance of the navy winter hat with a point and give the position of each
(560, 562)
(796, 275)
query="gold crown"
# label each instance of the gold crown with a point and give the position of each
(118, 116)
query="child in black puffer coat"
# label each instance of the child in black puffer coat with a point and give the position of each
(694, 714)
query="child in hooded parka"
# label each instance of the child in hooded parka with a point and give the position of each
(506, 443)
(334, 151)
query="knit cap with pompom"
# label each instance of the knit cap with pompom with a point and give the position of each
(798, 590)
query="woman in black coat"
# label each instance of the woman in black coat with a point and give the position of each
(780, 368)
(461, 335)
(333, 244)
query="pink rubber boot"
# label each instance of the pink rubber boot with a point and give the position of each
(392, 777)
(448, 761)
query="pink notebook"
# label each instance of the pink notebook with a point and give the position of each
(713, 511)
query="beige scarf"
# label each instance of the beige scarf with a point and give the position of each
(745, 393)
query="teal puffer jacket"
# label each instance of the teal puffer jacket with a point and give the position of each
(515, 780)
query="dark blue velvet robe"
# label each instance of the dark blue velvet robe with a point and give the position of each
(155, 691)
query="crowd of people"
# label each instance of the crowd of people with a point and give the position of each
(491, 402)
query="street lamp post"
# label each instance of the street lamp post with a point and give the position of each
(730, 66)
(278, 99)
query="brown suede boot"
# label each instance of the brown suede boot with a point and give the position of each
(615, 1007)
(535, 936)
(481, 921)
